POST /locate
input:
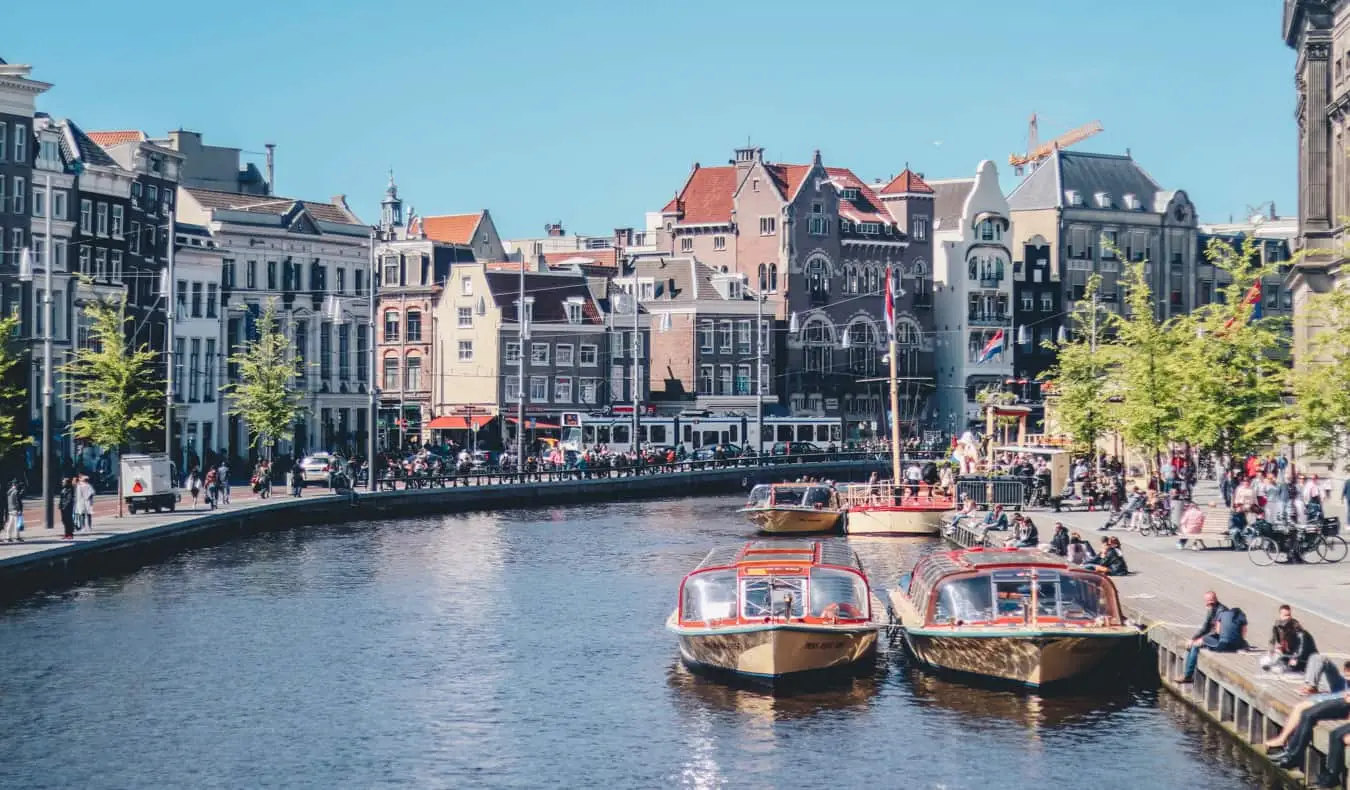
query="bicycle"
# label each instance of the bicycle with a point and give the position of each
(1158, 522)
(1321, 541)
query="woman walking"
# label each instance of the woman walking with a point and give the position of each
(194, 485)
(84, 504)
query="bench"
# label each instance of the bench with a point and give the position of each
(1213, 535)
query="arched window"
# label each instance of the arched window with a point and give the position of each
(391, 326)
(773, 278)
(817, 340)
(414, 326)
(763, 277)
(391, 374)
(817, 279)
(921, 295)
(907, 347)
(862, 348)
(413, 373)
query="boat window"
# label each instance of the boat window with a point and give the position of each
(1047, 595)
(709, 596)
(818, 496)
(1012, 593)
(968, 600)
(1086, 598)
(837, 594)
(759, 496)
(773, 596)
(788, 496)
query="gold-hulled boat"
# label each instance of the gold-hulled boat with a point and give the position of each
(1015, 615)
(887, 509)
(794, 508)
(773, 611)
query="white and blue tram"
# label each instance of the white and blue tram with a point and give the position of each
(695, 430)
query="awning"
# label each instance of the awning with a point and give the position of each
(452, 423)
(531, 423)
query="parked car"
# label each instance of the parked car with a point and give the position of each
(794, 448)
(314, 467)
(710, 452)
(483, 461)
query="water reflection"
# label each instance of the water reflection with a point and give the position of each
(725, 694)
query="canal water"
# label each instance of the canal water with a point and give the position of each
(518, 649)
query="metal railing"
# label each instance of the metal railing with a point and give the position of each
(989, 491)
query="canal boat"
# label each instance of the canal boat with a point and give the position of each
(771, 612)
(794, 508)
(1016, 615)
(885, 509)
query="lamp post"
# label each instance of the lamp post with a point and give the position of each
(171, 305)
(370, 372)
(522, 334)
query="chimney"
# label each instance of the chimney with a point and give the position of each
(746, 157)
(554, 229)
(1273, 215)
(271, 167)
(622, 237)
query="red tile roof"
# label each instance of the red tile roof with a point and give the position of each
(450, 228)
(907, 181)
(867, 208)
(117, 138)
(706, 196)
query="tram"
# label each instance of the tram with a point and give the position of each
(695, 429)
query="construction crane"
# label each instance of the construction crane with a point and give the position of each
(1037, 153)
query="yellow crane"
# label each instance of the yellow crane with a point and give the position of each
(1037, 153)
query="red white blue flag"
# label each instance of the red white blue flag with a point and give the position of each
(1253, 300)
(993, 348)
(890, 304)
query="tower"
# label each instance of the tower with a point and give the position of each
(391, 208)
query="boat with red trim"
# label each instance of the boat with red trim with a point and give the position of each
(1017, 615)
(773, 611)
(793, 508)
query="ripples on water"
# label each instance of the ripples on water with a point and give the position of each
(521, 649)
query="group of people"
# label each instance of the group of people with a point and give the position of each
(1109, 559)
(74, 504)
(1291, 649)
(215, 484)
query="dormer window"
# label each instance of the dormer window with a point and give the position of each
(574, 310)
(849, 193)
(1131, 202)
(734, 289)
(1103, 200)
(1072, 197)
(868, 228)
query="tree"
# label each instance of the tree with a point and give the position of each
(1142, 368)
(1319, 416)
(13, 393)
(114, 386)
(264, 396)
(1231, 379)
(1079, 374)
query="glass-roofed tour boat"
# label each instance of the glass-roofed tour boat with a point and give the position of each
(772, 611)
(1016, 615)
(793, 508)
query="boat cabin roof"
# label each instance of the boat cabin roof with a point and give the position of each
(1031, 450)
(780, 553)
(794, 485)
(934, 567)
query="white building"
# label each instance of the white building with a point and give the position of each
(312, 261)
(198, 346)
(972, 292)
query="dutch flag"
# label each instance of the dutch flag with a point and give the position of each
(992, 348)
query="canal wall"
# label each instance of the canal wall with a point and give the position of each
(1163, 595)
(52, 564)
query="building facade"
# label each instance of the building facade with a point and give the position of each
(1090, 214)
(818, 241)
(199, 352)
(310, 261)
(1319, 32)
(475, 231)
(972, 289)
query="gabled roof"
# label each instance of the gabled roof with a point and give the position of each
(117, 138)
(706, 196)
(449, 228)
(907, 183)
(606, 257)
(551, 293)
(677, 280)
(949, 200)
(272, 204)
(1087, 174)
(77, 145)
(867, 207)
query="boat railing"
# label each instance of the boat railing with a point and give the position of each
(887, 495)
(989, 491)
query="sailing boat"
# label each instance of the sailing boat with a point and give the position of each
(893, 507)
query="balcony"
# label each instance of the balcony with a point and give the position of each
(989, 319)
(991, 282)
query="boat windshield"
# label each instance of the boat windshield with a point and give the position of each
(773, 596)
(789, 496)
(817, 496)
(759, 496)
(1007, 594)
(709, 596)
(837, 594)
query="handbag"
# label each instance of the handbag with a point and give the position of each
(18, 520)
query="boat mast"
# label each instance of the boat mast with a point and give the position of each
(895, 418)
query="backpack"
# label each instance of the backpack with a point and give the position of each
(1230, 621)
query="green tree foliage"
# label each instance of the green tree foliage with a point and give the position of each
(1142, 368)
(1319, 416)
(1230, 378)
(1079, 375)
(265, 397)
(113, 386)
(13, 398)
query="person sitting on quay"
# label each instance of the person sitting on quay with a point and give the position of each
(996, 519)
(1290, 645)
(1059, 542)
(1192, 522)
(1025, 535)
(1080, 551)
(1112, 559)
(1223, 631)
(1286, 749)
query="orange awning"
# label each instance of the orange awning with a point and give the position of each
(452, 423)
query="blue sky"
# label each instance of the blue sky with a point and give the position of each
(591, 112)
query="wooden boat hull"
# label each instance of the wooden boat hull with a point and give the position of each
(1030, 658)
(898, 520)
(793, 521)
(776, 651)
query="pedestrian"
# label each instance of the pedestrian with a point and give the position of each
(65, 502)
(297, 481)
(84, 505)
(212, 485)
(14, 513)
(194, 484)
(223, 481)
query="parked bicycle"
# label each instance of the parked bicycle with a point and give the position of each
(1319, 542)
(1157, 522)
